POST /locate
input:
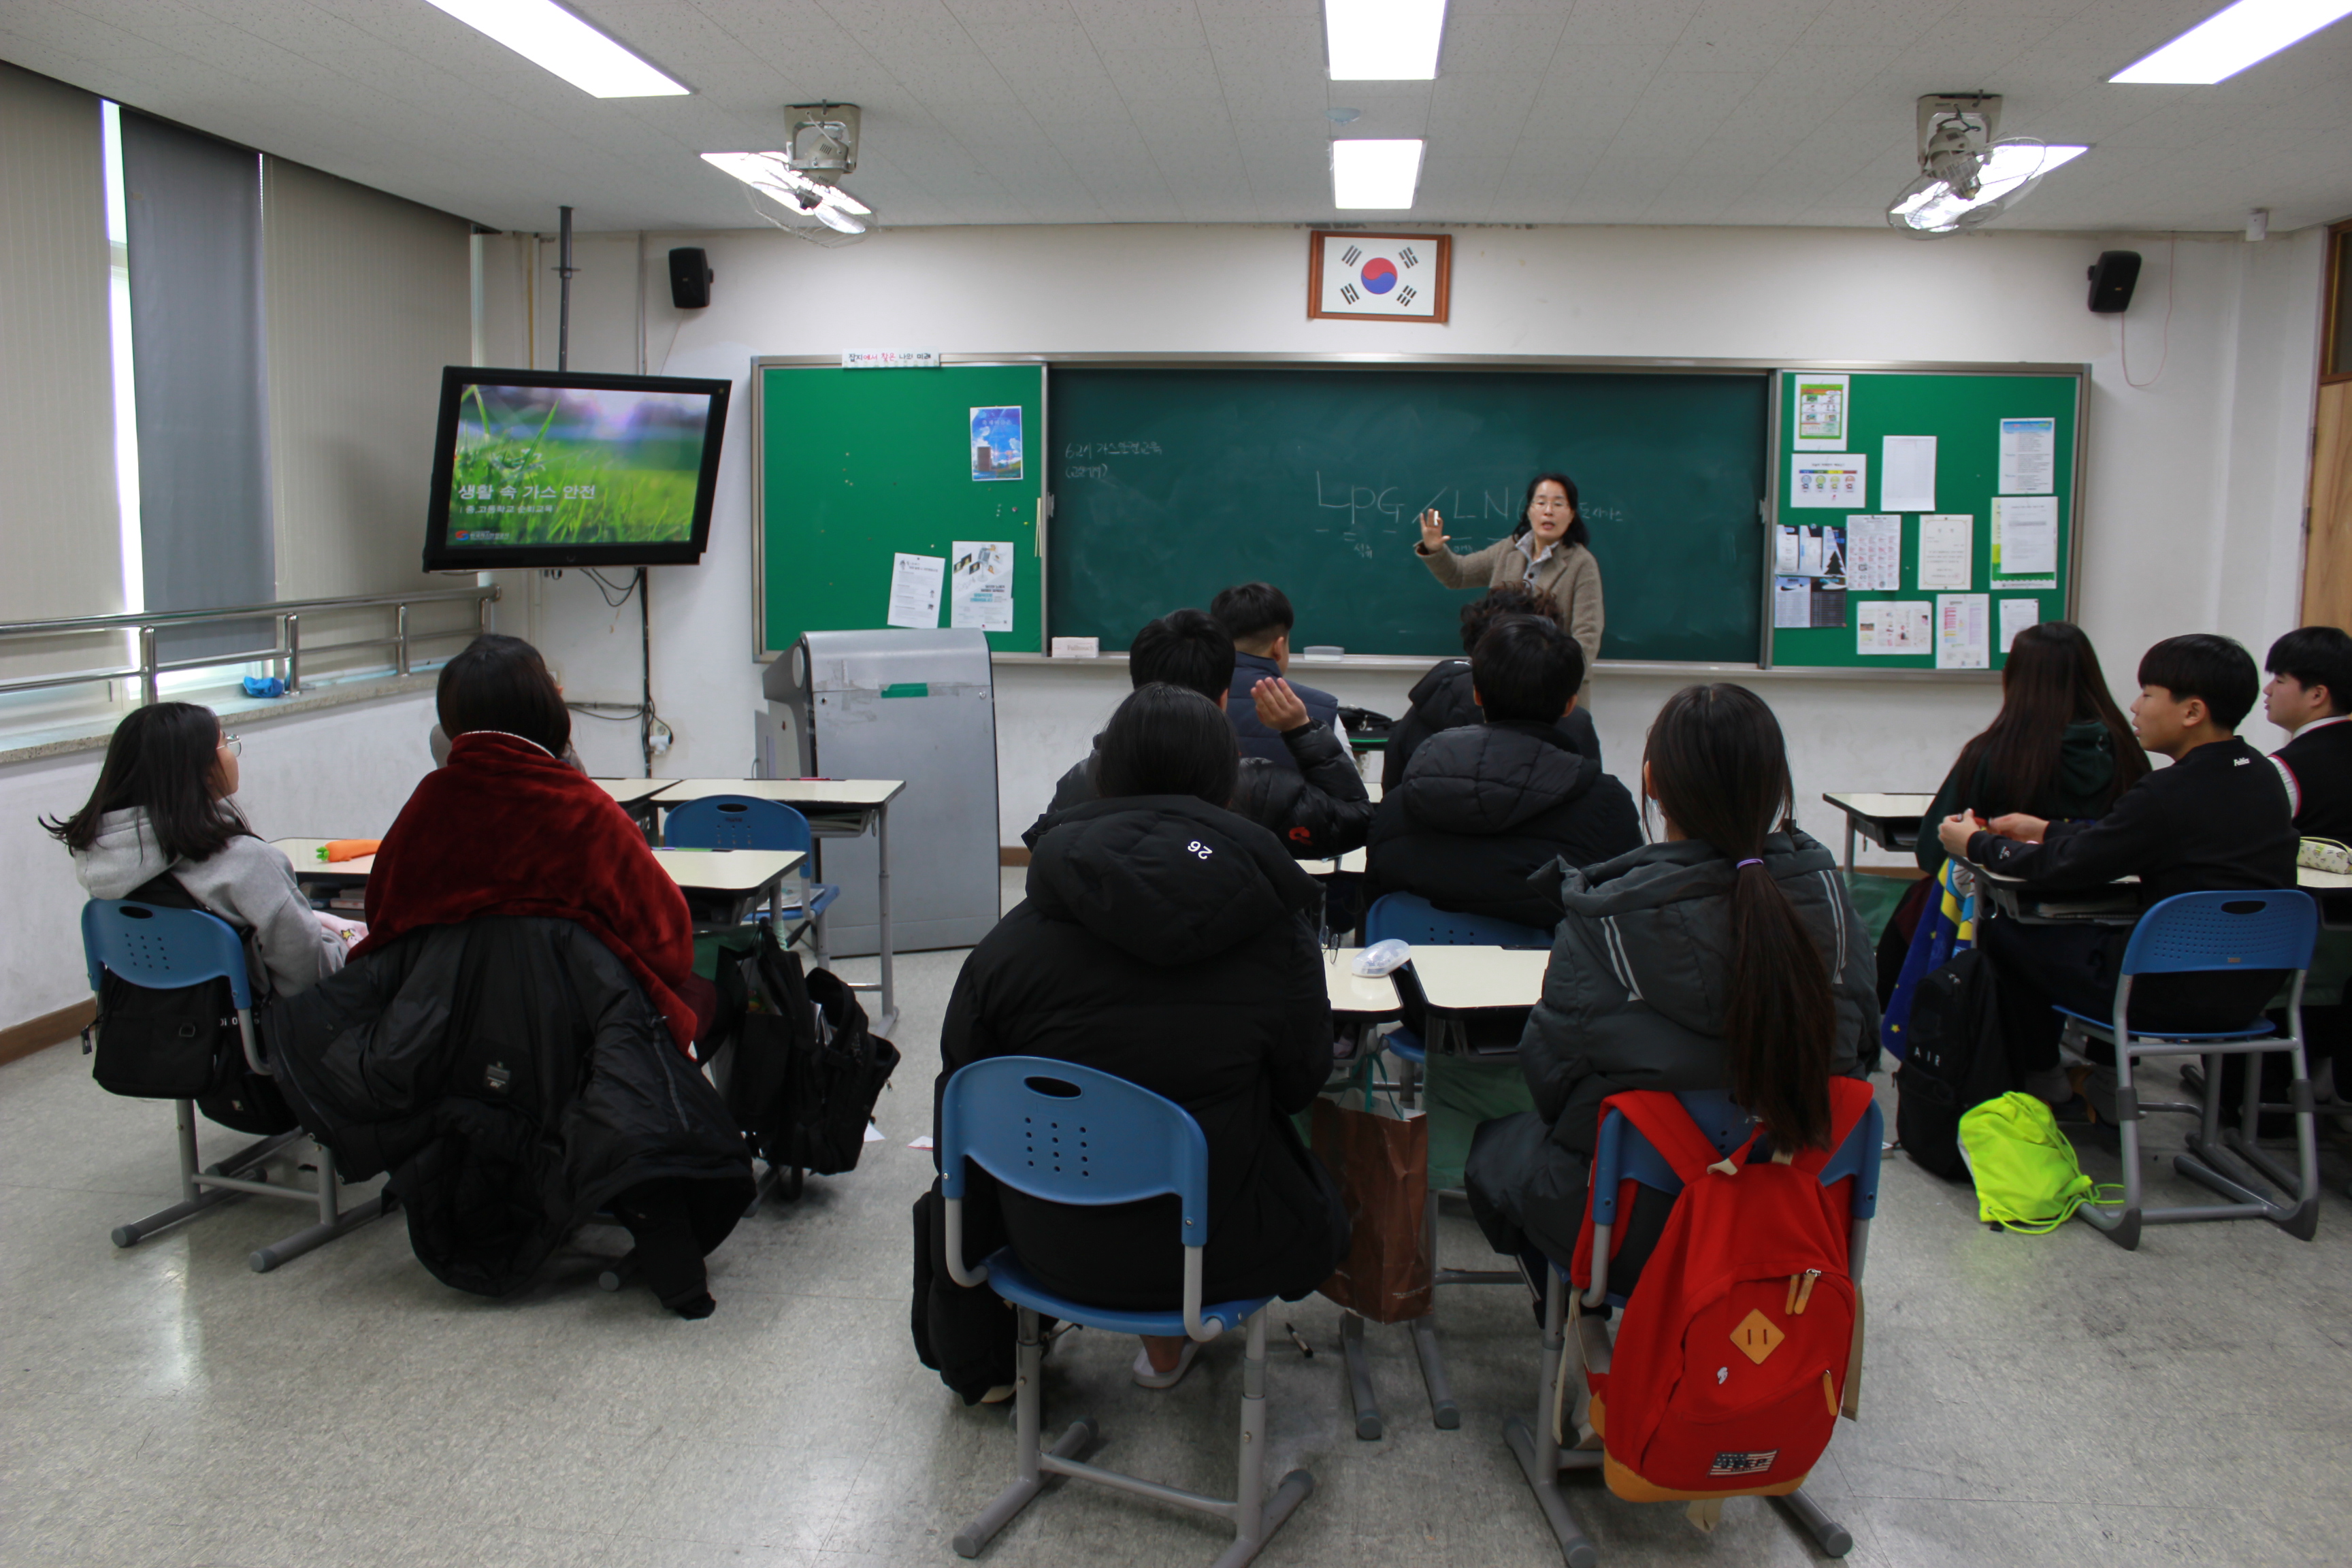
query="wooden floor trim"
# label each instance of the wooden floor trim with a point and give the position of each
(49, 1030)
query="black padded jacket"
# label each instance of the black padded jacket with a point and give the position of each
(1441, 700)
(514, 1080)
(1171, 944)
(1319, 809)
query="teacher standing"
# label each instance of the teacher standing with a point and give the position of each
(1548, 552)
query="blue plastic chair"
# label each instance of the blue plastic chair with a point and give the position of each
(742, 822)
(2194, 932)
(1071, 1134)
(1624, 1154)
(159, 947)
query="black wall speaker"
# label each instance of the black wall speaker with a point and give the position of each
(690, 278)
(2112, 280)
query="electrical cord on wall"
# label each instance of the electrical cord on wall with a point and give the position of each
(2123, 338)
(651, 727)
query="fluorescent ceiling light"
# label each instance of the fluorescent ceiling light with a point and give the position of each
(2011, 165)
(2230, 40)
(554, 39)
(1375, 173)
(1383, 40)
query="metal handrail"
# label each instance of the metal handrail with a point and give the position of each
(287, 651)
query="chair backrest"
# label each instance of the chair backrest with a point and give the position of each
(2273, 929)
(1073, 1135)
(161, 948)
(1624, 1154)
(1417, 920)
(735, 821)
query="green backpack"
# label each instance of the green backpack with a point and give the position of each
(2026, 1177)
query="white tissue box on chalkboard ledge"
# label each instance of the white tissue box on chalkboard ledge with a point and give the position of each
(1322, 650)
(1077, 647)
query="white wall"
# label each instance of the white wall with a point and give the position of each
(2195, 480)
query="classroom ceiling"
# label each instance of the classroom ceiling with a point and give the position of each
(1026, 112)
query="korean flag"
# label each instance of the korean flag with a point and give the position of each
(1376, 275)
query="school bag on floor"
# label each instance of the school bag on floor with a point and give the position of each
(1956, 1061)
(2026, 1175)
(806, 1068)
(1741, 1343)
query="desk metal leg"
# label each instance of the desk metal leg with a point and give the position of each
(1849, 845)
(890, 1024)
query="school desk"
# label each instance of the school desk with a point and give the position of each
(1889, 821)
(836, 809)
(745, 875)
(635, 795)
(1457, 981)
(1355, 995)
(1351, 863)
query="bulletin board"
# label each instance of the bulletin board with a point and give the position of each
(858, 468)
(1920, 517)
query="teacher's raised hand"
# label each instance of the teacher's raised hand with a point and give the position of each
(1432, 532)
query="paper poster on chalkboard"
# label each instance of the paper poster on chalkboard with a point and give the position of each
(980, 574)
(1822, 413)
(996, 443)
(1839, 480)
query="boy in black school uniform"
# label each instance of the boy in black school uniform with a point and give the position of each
(2216, 820)
(1258, 617)
(1318, 807)
(2310, 697)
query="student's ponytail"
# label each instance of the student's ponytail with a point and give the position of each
(1719, 769)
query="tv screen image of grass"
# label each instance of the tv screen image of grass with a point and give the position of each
(542, 465)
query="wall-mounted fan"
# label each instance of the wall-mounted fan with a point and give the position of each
(1967, 175)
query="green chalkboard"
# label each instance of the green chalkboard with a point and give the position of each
(1171, 484)
(858, 466)
(1964, 411)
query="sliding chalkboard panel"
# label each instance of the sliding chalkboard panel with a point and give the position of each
(1964, 411)
(1171, 484)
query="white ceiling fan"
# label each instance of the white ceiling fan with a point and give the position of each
(773, 176)
(1967, 177)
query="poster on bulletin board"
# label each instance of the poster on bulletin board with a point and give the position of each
(1961, 535)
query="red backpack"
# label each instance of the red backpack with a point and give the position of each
(1741, 1342)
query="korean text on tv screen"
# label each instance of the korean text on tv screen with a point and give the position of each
(571, 466)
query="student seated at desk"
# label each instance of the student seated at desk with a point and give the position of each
(2310, 696)
(1168, 941)
(1480, 808)
(1442, 700)
(1318, 807)
(1257, 616)
(2059, 749)
(1727, 956)
(2216, 818)
(162, 808)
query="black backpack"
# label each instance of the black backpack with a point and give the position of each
(182, 1044)
(805, 1069)
(1956, 1061)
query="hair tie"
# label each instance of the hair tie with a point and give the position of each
(1745, 864)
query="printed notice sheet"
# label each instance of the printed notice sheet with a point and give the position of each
(2016, 615)
(1891, 625)
(981, 594)
(2025, 536)
(1874, 555)
(1829, 479)
(1960, 631)
(1821, 409)
(2029, 456)
(1907, 473)
(1947, 547)
(1793, 603)
(915, 582)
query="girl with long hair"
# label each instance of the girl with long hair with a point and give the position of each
(2058, 749)
(162, 806)
(1725, 955)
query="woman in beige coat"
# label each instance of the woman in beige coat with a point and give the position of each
(1548, 553)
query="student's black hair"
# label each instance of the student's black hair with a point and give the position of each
(500, 683)
(2314, 657)
(1251, 611)
(2206, 665)
(1480, 613)
(165, 757)
(2051, 680)
(1168, 740)
(1526, 667)
(1186, 648)
(1719, 768)
(1577, 533)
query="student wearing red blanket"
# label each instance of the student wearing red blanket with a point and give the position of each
(508, 828)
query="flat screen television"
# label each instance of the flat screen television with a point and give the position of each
(534, 467)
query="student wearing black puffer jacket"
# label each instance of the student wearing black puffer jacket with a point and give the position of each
(1168, 942)
(1481, 809)
(1442, 700)
(1318, 807)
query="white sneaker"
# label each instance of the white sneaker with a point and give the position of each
(1145, 1377)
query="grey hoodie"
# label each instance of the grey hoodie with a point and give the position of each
(248, 884)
